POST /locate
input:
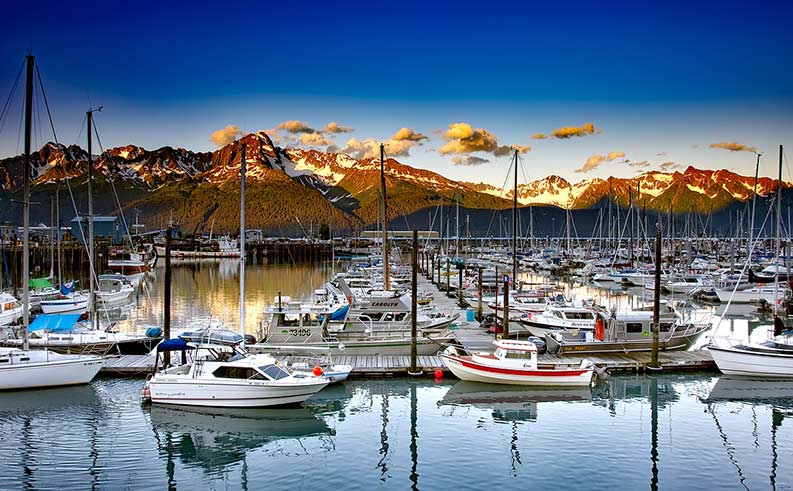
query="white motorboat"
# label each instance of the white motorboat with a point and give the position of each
(752, 294)
(685, 284)
(10, 309)
(772, 358)
(513, 363)
(113, 288)
(556, 318)
(128, 262)
(30, 369)
(225, 376)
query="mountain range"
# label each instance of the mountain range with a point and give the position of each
(290, 189)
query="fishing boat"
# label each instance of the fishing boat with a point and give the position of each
(513, 363)
(628, 331)
(128, 262)
(299, 324)
(224, 375)
(72, 301)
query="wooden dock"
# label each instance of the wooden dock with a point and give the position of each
(390, 365)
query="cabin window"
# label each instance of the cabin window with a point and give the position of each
(274, 372)
(634, 327)
(27, 358)
(400, 316)
(4, 360)
(518, 355)
(238, 372)
(558, 314)
(579, 315)
(665, 327)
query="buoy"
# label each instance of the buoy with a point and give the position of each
(439, 373)
(317, 371)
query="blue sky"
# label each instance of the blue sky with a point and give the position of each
(659, 83)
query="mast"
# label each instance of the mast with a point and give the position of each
(754, 201)
(52, 238)
(778, 231)
(386, 266)
(58, 231)
(515, 226)
(91, 286)
(242, 241)
(29, 59)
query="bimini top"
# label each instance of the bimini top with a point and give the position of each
(54, 322)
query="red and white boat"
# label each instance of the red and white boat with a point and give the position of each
(132, 262)
(514, 363)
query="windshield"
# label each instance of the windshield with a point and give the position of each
(273, 372)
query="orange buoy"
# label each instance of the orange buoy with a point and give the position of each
(438, 373)
(317, 371)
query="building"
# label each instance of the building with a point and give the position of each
(107, 228)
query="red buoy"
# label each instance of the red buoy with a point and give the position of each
(439, 373)
(317, 371)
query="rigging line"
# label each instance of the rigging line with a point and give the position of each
(46, 104)
(113, 186)
(7, 104)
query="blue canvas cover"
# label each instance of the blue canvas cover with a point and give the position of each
(54, 322)
(176, 344)
(340, 314)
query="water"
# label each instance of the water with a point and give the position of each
(636, 432)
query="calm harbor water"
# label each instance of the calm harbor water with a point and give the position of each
(693, 431)
(635, 432)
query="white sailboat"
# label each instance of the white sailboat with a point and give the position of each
(25, 368)
(772, 358)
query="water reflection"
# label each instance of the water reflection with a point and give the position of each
(213, 439)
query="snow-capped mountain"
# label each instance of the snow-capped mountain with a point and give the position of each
(290, 185)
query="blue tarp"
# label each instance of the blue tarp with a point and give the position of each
(54, 322)
(176, 344)
(340, 314)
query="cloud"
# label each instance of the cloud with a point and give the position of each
(670, 166)
(643, 163)
(295, 126)
(370, 148)
(539, 136)
(594, 161)
(660, 154)
(334, 127)
(226, 135)
(315, 139)
(734, 147)
(469, 160)
(462, 138)
(409, 134)
(571, 131)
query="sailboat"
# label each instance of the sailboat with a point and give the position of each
(25, 368)
(772, 358)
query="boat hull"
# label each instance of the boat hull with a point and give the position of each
(734, 361)
(63, 306)
(196, 392)
(466, 369)
(80, 370)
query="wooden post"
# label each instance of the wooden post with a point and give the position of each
(656, 298)
(460, 286)
(479, 315)
(448, 277)
(166, 315)
(413, 305)
(506, 307)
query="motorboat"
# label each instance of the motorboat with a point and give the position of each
(513, 363)
(559, 317)
(300, 324)
(10, 309)
(113, 288)
(772, 358)
(752, 294)
(128, 262)
(685, 284)
(31, 369)
(224, 375)
(64, 333)
(628, 331)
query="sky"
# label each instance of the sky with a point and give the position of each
(615, 88)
